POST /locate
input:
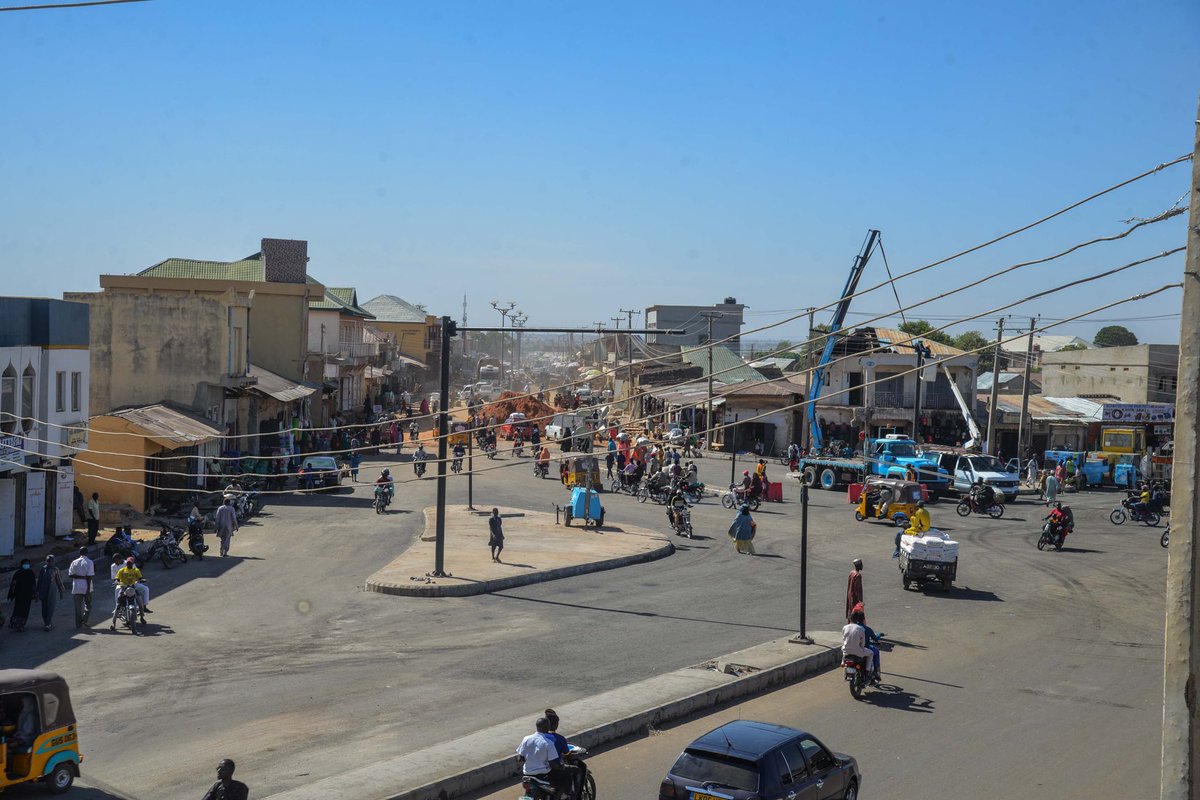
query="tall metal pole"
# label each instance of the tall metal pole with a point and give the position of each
(470, 457)
(708, 421)
(804, 563)
(733, 452)
(808, 373)
(991, 425)
(916, 425)
(1181, 653)
(439, 557)
(1025, 394)
(629, 375)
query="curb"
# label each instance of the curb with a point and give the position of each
(500, 770)
(484, 587)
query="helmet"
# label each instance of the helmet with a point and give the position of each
(745, 472)
(386, 473)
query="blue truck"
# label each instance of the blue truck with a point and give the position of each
(889, 457)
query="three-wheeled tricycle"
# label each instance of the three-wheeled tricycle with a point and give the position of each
(38, 739)
(888, 499)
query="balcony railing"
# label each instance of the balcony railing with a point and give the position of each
(931, 400)
(360, 349)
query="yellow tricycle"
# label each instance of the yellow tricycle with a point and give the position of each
(888, 499)
(38, 738)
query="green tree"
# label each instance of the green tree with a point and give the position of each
(1114, 336)
(1070, 347)
(980, 345)
(921, 328)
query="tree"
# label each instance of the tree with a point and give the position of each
(921, 328)
(980, 345)
(1075, 346)
(1114, 336)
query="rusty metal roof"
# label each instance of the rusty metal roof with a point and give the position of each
(172, 428)
(891, 336)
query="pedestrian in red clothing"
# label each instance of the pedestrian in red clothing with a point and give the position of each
(854, 587)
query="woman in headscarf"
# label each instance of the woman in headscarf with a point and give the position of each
(21, 591)
(742, 531)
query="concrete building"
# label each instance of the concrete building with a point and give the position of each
(44, 373)
(342, 350)
(1142, 373)
(693, 319)
(1013, 352)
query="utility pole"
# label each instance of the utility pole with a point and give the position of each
(991, 443)
(708, 421)
(629, 312)
(448, 330)
(808, 373)
(1180, 778)
(1025, 394)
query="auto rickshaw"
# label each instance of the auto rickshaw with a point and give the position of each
(38, 740)
(459, 434)
(888, 498)
(584, 471)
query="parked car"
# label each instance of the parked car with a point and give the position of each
(747, 760)
(325, 470)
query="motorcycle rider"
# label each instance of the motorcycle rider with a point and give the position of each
(918, 524)
(459, 452)
(854, 643)
(419, 460)
(543, 460)
(1143, 501)
(872, 642)
(573, 770)
(414, 430)
(385, 480)
(539, 758)
(676, 503)
(1062, 522)
(793, 456)
(983, 496)
(126, 576)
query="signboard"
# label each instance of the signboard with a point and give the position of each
(1164, 430)
(12, 451)
(1138, 413)
(77, 435)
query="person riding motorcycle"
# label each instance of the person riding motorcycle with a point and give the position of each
(385, 480)
(543, 460)
(918, 525)
(130, 575)
(459, 452)
(982, 495)
(675, 504)
(1143, 501)
(414, 430)
(1062, 522)
(419, 459)
(854, 643)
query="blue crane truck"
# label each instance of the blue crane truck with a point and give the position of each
(889, 457)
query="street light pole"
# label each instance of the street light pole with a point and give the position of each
(439, 551)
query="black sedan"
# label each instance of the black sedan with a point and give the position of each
(746, 760)
(320, 472)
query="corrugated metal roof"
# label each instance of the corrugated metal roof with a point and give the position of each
(277, 386)
(984, 381)
(689, 394)
(1051, 409)
(891, 336)
(770, 388)
(341, 299)
(389, 308)
(249, 268)
(727, 365)
(170, 427)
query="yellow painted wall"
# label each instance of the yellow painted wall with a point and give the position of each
(95, 470)
(409, 335)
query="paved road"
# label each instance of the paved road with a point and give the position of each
(278, 657)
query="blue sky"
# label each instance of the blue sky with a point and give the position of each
(583, 157)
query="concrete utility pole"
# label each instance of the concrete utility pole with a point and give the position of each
(1025, 395)
(1181, 651)
(991, 426)
(708, 421)
(629, 312)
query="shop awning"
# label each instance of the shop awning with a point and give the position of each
(277, 386)
(376, 373)
(412, 362)
(171, 428)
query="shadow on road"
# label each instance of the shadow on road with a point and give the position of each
(886, 645)
(964, 593)
(894, 697)
(632, 613)
(1079, 550)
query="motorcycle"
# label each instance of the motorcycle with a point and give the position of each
(1166, 537)
(118, 547)
(858, 674)
(383, 498)
(1127, 511)
(518, 450)
(540, 469)
(735, 496)
(488, 449)
(625, 484)
(419, 468)
(456, 464)
(694, 492)
(1053, 535)
(166, 548)
(535, 787)
(659, 492)
(253, 499)
(970, 505)
(681, 521)
(196, 538)
(128, 611)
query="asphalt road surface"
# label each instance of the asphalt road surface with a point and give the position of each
(279, 659)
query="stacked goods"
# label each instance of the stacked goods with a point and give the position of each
(511, 402)
(931, 547)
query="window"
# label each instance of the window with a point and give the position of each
(818, 757)
(76, 390)
(28, 379)
(1166, 383)
(60, 391)
(702, 767)
(8, 400)
(794, 760)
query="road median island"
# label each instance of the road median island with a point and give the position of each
(452, 769)
(537, 547)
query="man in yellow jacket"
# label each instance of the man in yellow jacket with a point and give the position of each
(918, 524)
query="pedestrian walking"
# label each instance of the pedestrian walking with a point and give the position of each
(226, 788)
(1051, 488)
(21, 591)
(226, 525)
(496, 535)
(854, 588)
(355, 460)
(93, 518)
(50, 590)
(82, 571)
(742, 531)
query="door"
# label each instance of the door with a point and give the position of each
(823, 771)
(8, 516)
(35, 508)
(793, 774)
(64, 501)
(855, 396)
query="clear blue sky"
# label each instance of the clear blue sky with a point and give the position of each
(582, 157)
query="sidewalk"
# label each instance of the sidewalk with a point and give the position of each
(452, 769)
(537, 548)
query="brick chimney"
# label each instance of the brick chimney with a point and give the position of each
(285, 260)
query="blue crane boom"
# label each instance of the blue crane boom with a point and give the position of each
(835, 325)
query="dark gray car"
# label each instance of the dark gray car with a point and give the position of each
(746, 760)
